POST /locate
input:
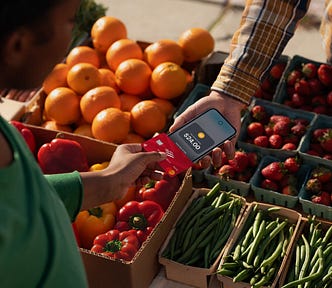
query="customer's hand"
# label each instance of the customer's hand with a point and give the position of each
(229, 108)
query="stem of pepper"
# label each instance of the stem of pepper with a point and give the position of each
(96, 211)
(138, 222)
(113, 246)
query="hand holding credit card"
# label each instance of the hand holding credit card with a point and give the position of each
(191, 142)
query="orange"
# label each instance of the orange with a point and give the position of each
(52, 125)
(121, 50)
(63, 106)
(147, 118)
(97, 99)
(164, 50)
(196, 44)
(56, 78)
(108, 79)
(83, 54)
(133, 76)
(111, 125)
(105, 31)
(133, 138)
(168, 80)
(128, 101)
(82, 77)
(84, 130)
(165, 105)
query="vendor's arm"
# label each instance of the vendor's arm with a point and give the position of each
(265, 29)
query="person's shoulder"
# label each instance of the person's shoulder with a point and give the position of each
(6, 154)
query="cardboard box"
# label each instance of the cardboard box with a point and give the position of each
(324, 225)
(190, 275)
(139, 272)
(293, 217)
(10, 109)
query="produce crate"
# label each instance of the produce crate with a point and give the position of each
(238, 187)
(293, 218)
(139, 272)
(271, 108)
(320, 121)
(309, 207)
(304, 229)
(190, 275)
(273, 197)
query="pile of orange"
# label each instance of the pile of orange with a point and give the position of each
(116, 90)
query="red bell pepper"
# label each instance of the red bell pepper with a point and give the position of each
(26, 133)
(62, 156)
(162, 191)
(116, 244)
(139, 216)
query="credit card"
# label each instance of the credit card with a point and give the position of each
(176, 160)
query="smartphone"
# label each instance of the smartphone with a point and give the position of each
(199, 136)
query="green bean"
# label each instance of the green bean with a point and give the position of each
(269, 261)
(265, 279)
(247, 239)
(242, 275)
(226, 272)
(306, 259)
(195, 206)
(327, 236)
(207, 255)
(256, 242)
(212, 194)
(257, 222)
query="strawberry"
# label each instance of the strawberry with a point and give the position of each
(302, 87)
(329, 98)
(324, 73)
(316, 86)
(292, 164)
(291, 138)
(297, 100)
(274, 171)
(277, 70)
(275, 141)
(239, 162)
(244, 176)
(322, 173)
(255, 129)
(253, 159)
(320, 109)
(289, 146)
(293, 77)
(313, 185)
(289, 190)
(268, 129)
(258, 113)
(281, 127)
(299, 129)
(267, 85)
(318, 100)
(276, 118)
(226, 172)
(323, 198)
(327, 187)
(326, 140)
(269, 185)
(288, 179)
(309, 70)
(261, 141)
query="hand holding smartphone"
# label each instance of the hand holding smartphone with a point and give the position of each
(192, 141)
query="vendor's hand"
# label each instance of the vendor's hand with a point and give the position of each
(229, 108)
(134, 165)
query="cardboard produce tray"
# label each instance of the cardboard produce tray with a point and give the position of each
(283, 213)
(190, 275)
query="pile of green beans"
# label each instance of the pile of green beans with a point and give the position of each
(311, 264)
(204, 228)
(256, 256)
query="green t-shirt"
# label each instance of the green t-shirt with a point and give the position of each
(37, 244)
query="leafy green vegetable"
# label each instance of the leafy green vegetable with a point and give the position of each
(87, 14)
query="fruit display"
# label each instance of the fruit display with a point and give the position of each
(120, 90)
(307, 85)
(270, 125)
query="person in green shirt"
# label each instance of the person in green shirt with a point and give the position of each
(37, 244)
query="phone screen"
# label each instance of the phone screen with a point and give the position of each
(205, 132)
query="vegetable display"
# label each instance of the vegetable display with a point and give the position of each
(311, 264)
(204, 228)
(26, 133)
(141, 217)
(117, 245)
(259, 250)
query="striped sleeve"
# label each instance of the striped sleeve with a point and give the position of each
(265, 29)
